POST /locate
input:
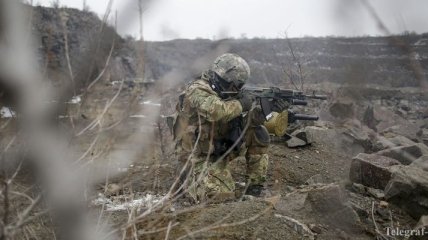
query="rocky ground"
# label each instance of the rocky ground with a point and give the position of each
(343, 180)
(330, 184)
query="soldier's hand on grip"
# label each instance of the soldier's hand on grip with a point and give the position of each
(246, 101)
(280, 105)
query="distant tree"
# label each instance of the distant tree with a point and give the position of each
(141, 9)
(85, 6)
(295, 70)
(408, 33)
(55, 3)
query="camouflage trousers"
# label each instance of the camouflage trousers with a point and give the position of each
(207, 178)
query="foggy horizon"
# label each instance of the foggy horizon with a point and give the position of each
(190, 19)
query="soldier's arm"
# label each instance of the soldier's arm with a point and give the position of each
(212, 107)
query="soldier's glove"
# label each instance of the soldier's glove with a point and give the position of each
(280, 105)
(246, 101)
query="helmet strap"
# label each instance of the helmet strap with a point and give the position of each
(216, 84)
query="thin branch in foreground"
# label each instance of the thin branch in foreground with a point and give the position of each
(168, 230)
(414, 63)
(97, 121)
(63, 20)
(6, 209)
(380, 235)
(105, 66)
(225, 225)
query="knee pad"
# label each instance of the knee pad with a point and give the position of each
(261, 136)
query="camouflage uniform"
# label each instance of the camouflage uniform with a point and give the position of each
(204, 118)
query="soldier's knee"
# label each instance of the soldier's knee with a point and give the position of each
(261, 136)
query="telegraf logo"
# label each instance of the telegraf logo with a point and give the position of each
(407, 233)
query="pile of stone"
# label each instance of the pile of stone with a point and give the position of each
(397, 173)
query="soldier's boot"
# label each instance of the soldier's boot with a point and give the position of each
(256, 175)
(258, 191)
(255, 190)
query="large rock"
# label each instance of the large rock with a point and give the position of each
(323, 203)
(295, 142)
(306, 136)
(407, 129)
(394, 124)
(359, 136)
(342, 110)
(387, 118)
(350, 139)
(408, 188)
(311, 134)
(423, 133)
(421, 163)
(371, 170)
(405, 154)
(423, 222)
(369, 118)
(397, 141)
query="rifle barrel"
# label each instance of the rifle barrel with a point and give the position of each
(320, 97)
(305, 117)
(299, 102)
(229, 92)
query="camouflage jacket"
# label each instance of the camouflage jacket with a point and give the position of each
(203, 117)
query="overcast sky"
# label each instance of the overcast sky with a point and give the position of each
(169, 19)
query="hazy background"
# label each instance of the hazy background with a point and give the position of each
(214, 19)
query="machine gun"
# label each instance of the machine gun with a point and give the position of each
(293, 117)
(266, 97)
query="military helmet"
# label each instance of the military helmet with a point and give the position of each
(232, 69)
